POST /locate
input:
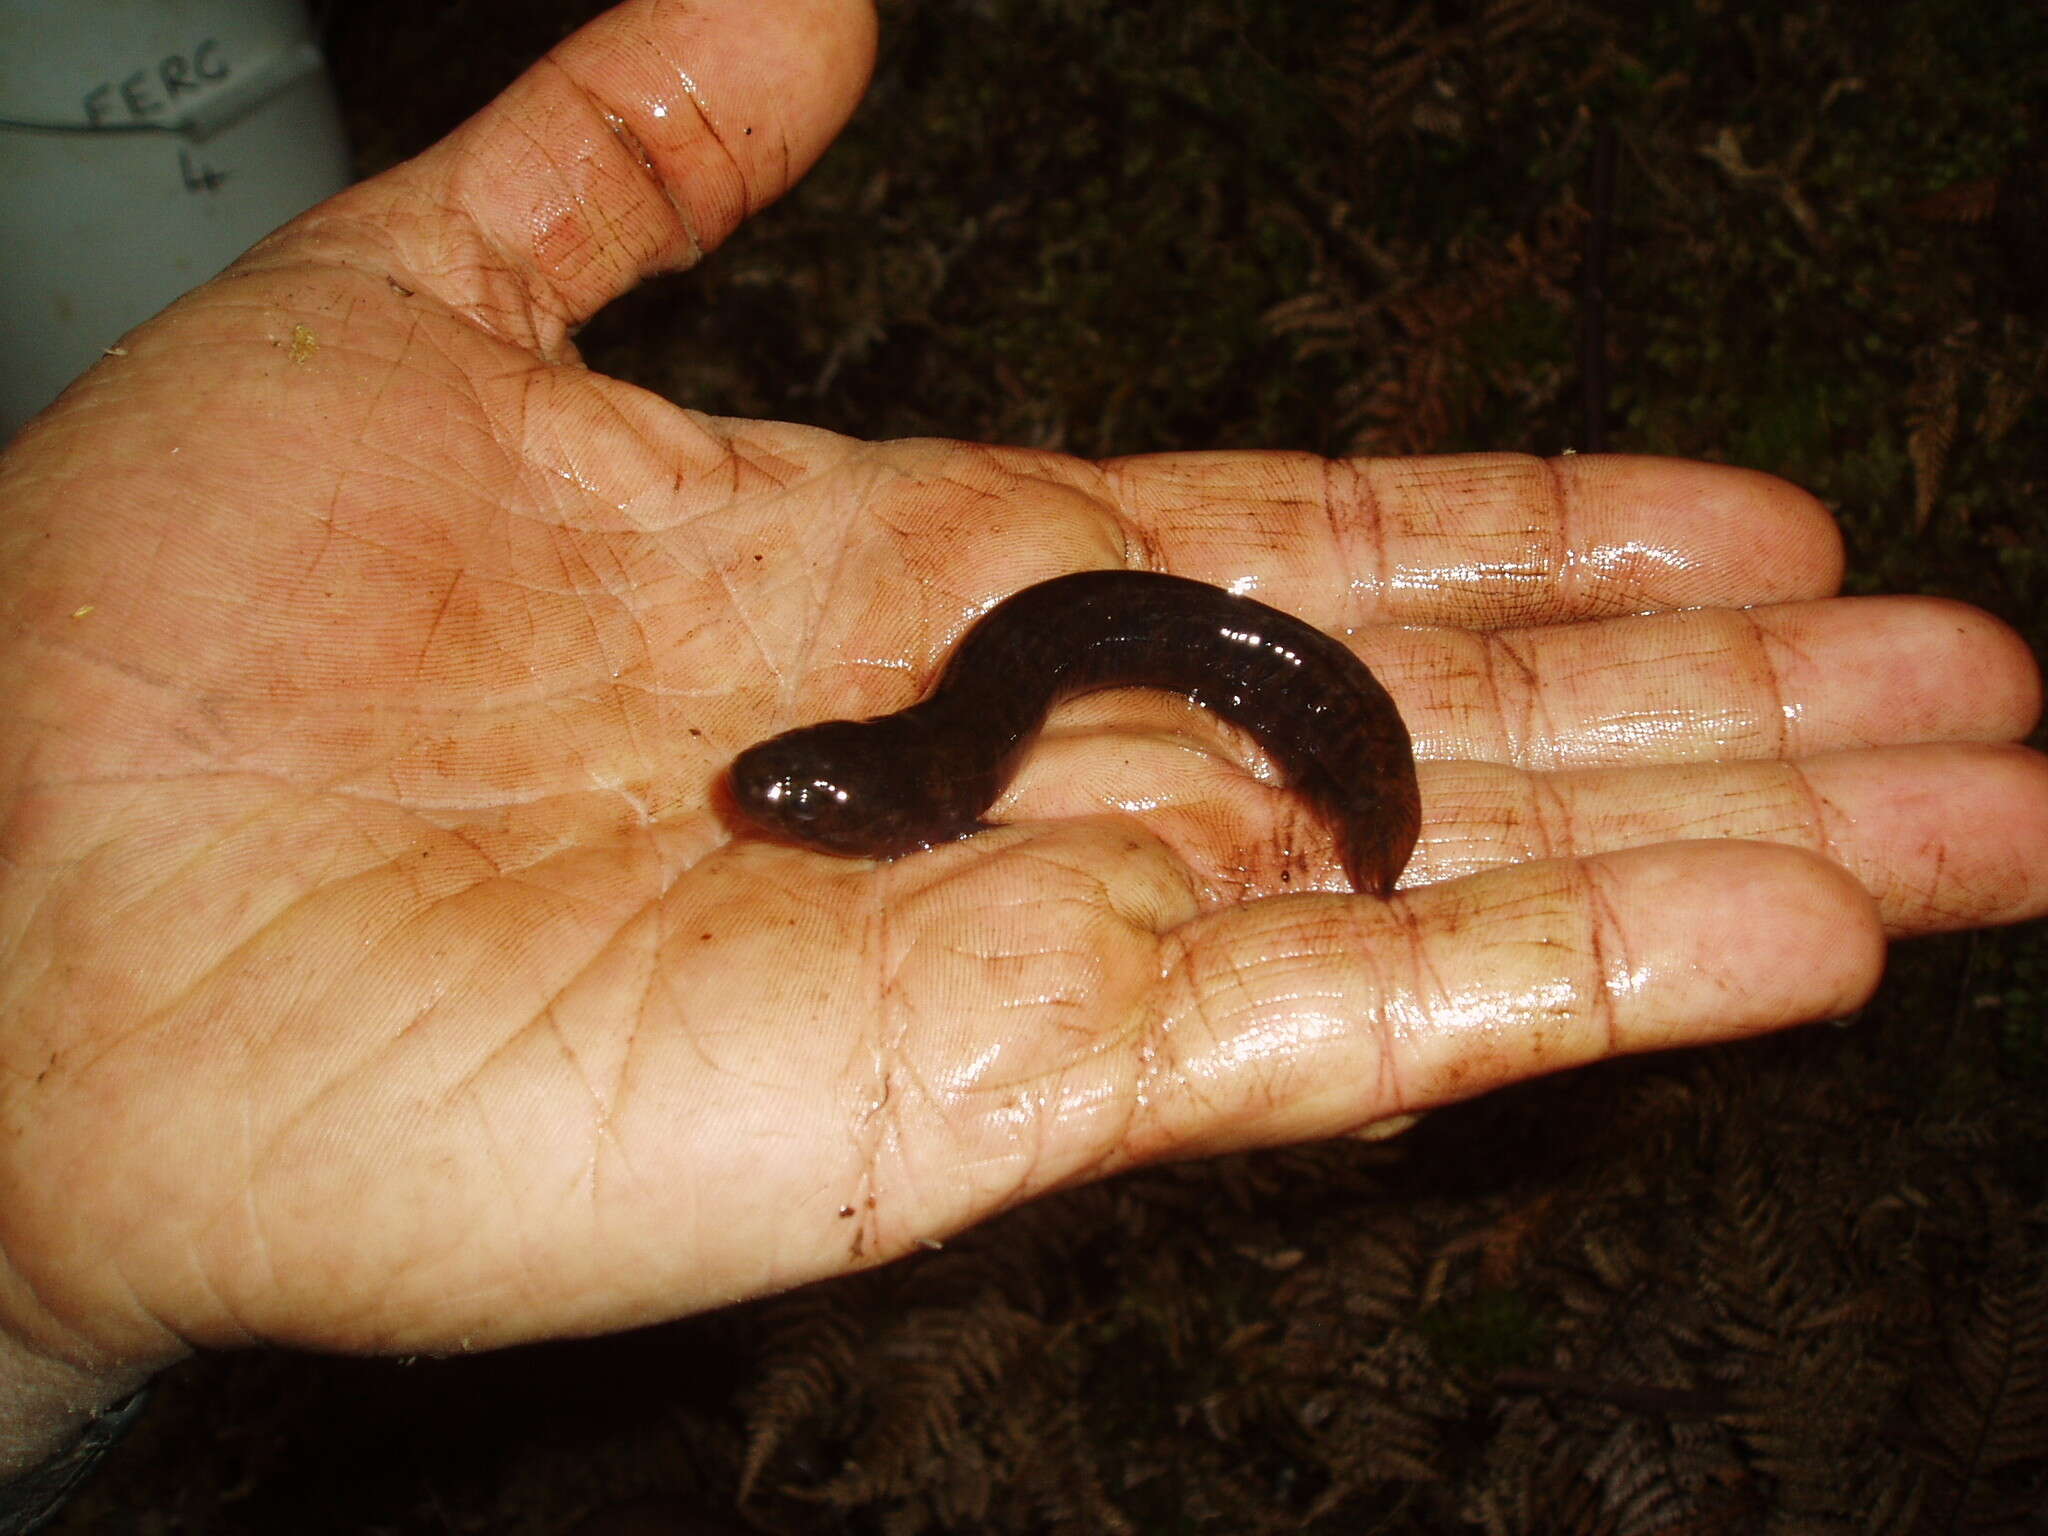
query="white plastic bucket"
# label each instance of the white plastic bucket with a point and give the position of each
(144, 144)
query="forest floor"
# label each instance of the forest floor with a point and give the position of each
(1796, 1285)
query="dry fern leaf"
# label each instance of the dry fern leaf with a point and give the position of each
(806, 1371)
(2018, 377)
(1370, 1276)
(1386, 76)
(1984, 1408)
(2005, 400)
(1968, 202)
(1934, 408)
(930, 1384)
(1808, 1416)
(1430, 384)
(1649, 1479)
(1375, 71)
(1389, 1426)
(1058, 1477)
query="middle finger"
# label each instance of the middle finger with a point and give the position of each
(1712, 684)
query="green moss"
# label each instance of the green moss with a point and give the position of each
(1488, 1332)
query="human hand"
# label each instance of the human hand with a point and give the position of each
(380, 973)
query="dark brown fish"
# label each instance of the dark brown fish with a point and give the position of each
(924, 775)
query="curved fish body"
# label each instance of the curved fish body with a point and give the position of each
(885, 786)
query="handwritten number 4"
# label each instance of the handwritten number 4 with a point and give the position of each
(199, 177)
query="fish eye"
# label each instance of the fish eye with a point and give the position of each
(807, 800)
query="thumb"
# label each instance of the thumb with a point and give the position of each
(635, 146)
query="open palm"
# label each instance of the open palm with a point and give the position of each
(380, 969)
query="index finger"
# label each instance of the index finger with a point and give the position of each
(1481, 541)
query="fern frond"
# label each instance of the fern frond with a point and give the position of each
(938, 1371)
(1982, 1406)
(1931, 423)
(804, 1373)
